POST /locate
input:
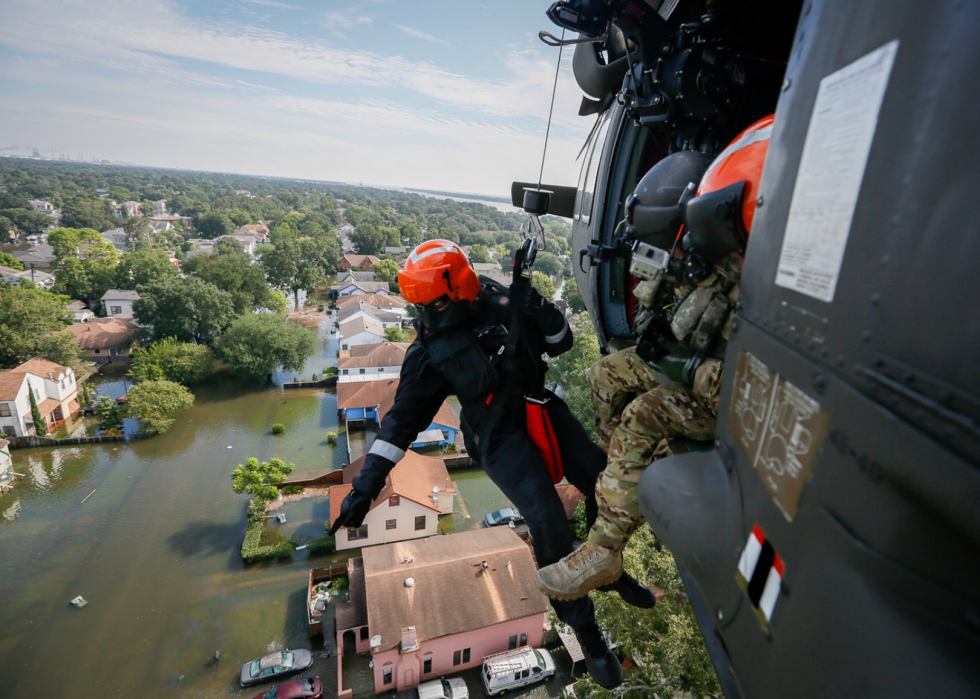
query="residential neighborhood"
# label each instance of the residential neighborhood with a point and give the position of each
(159, 295)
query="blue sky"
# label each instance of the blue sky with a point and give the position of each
(418, 93)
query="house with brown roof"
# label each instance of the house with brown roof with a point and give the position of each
(361, 262)
(55, 391)
(360, 331)
(440, 605)
(381, 358)
(417, 491)
(369, 401)
(104, 339)
(387, 302)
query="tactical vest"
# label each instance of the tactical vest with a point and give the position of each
(468, 356)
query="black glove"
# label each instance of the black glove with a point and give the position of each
(352, 511)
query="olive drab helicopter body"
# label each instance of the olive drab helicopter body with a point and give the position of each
(829, 539)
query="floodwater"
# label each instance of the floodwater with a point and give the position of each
(155, 549)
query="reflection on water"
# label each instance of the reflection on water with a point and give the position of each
(155, 548)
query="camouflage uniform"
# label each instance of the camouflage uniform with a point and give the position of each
(637, 416)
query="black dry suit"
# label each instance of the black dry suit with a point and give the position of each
(471, 361)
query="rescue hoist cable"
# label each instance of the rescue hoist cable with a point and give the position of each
(551, 109)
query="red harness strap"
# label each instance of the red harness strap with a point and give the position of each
(543, 436)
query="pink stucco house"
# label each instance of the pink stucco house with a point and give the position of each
(440, 605)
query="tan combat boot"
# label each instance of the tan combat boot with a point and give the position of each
(583, 570)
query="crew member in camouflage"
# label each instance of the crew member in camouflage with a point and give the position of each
(640, 434)
(637, 417)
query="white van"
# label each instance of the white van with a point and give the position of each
(516, 668)
(453, 688)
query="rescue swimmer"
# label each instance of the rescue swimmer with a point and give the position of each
(483, 343)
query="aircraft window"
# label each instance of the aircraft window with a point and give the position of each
(589, 175)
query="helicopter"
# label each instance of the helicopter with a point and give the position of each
(829, 539)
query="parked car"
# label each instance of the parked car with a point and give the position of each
(274, 665)
(453, 688)
(296, 689)
(503, 516)
(516, 668)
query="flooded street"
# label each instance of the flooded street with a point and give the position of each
(155, 548)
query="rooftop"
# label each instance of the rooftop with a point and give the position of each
(120, 295)
(361, 306)
(102, 333)
(364, 394)
(359, 325)
(368, 287)
(452, 592)
(374, 355)
(373, 299)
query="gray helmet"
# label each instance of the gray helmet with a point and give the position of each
(653, 211)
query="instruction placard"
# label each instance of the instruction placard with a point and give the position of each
(779, 427)
(835, 153)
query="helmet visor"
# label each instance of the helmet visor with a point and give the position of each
(424, 285)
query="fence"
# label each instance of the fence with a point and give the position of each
(34, 441)
(330, 478)
(322, 383)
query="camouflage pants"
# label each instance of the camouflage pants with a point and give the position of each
(637, 416)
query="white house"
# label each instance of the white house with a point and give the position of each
(362, 309)
(248, 241)
(41, 206)
(45, 280)
(79, 311)
(416, 492)
(5, 463)
(55, 392)
(360, 331)
(386, 302)
(357, 288)
(119, 302)
(118, 237)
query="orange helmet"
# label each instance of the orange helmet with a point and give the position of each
(438, 268)
(741, 161)
(719, 218)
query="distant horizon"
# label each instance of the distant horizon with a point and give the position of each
(499, 198)
(449, 96)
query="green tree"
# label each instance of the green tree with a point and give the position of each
(230, 269)
(256, 344)
(108, 412)
(369, 239)
(180, 362)
(259, 479)
(569, 371)
(139, 232)
(88, 213)
(480, 253)
(143, 267)
(666, 638)
(40, 424)
(300, 263)
(386, 271)
(154, 404)
(213, 225)
(549, 263)
(190, 309)
(8, 260)
(394, 334)
(30, 321)
(573, 296)
(85, 279)
(542, 282)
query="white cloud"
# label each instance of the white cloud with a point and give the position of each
(210, 96)
(419, 34)
(272, 3)
(339, 21)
